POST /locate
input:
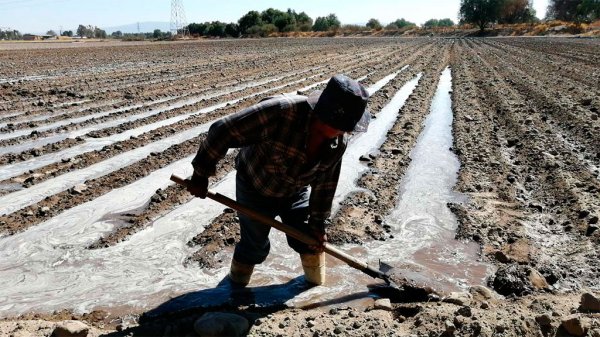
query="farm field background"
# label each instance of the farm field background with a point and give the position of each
(92, 229)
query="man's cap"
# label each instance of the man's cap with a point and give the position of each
(342, 104)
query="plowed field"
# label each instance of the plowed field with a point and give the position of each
(92, 229)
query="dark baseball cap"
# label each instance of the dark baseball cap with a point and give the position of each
(342, 104)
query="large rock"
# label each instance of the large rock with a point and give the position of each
(217, 324)
(70, 329)
(575, 325)
(589, 302)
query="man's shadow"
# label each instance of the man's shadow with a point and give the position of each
(176, 316)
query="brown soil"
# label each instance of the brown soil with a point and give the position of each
(525, 130)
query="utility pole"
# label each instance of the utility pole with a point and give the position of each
(178, 20)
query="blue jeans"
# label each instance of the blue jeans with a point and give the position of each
(254, 244)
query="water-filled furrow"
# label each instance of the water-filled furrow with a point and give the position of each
(115, 122)
(47, 267)
(91, 144)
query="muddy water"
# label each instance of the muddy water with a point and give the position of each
(47, 267)
(422, 223)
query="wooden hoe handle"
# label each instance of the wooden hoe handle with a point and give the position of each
(293, 232)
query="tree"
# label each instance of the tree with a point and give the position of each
(99, 33)
(516, 11)
(401, 23)
(438, 23)
(480, 12)
(321, 24)
(51, 33)
(588, 10)
(286, 22)
(431, 23)
(232, 29)
(157, 34)
(374, 24)
(565, 10)
(447, 22)
(270, 15)
(67, 33)
(117, 34)
(304, 22)
(216, 29)
(198, 29)
(81, 31)
(329, 22)
(250, 19)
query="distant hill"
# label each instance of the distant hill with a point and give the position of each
(145, 27)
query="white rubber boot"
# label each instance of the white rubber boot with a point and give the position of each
(314, 267)
(240, 273)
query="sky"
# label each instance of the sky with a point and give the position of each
(39, 16)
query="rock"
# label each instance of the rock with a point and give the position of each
(464, 311)
(575, 325)
(589, 302)
(449, 326)
(595, 333)
(79, 188)
(221, 324)
(544, 320)
(482, 293)
(70, 329)
(458, 298)
(537, 280)
(383, 304)
(518, 280)
(364, 158)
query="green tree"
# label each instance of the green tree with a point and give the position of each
(480, 12)
(285, 22)
(250, 19)
(232, 29)
(304, 22)
(401, 23)
(588, 10)
(333, 22)
(67, 33)
(157, 34)
(516, 11)
(565, 10)
(99, 33)
(199, 29)
(269, 15)
(431, 23)
(216, 29)
(374, 24)
(82, 31)
(447, 22)
(51, 33)
(117, 34)
(262, 30)
(321, 24)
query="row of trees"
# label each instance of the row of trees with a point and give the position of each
(10, 35)
(483, 12)
(91, 32)
(269, 21)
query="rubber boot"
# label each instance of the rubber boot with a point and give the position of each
(314, 267)
(240, 273)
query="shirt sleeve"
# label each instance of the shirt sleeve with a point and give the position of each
(249, 126)
(322, 193)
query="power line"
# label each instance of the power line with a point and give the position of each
(178, 20)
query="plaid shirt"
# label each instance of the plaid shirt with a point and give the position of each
(273, 135)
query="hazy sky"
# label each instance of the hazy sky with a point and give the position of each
(39, 16)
